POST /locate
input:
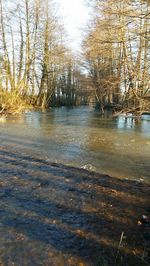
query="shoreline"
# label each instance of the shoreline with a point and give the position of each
(62, 215)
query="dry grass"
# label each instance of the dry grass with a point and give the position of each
(12, 103)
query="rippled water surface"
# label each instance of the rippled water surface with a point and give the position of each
(81, 137)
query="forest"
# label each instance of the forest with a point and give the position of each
(38, 68)
(74, 133)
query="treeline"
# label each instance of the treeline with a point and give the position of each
(117, 51)
(36, 66)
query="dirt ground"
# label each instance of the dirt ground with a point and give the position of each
(52, 214)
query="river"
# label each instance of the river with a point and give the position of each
(81, 137)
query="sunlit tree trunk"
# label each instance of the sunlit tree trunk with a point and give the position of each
(7, 64)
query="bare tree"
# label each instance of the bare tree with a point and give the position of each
(117, 50)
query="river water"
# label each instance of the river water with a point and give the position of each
(81, 137)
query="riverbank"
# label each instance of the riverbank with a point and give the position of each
(52, 214)
(12, 103)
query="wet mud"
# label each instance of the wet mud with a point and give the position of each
(52, 214)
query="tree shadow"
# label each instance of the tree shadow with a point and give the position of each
(62, 215)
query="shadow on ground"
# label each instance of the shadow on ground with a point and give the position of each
(52, 214)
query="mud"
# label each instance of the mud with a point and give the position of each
(52, 214)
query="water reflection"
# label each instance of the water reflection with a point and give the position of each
(125, 123)
(81, 137)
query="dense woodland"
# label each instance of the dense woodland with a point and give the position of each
(36, 65)
(118, 54)
(38, 69)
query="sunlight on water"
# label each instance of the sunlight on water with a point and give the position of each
(81, 137)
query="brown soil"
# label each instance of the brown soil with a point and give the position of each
(52, 214)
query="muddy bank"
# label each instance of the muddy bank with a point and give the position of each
(51, 214)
